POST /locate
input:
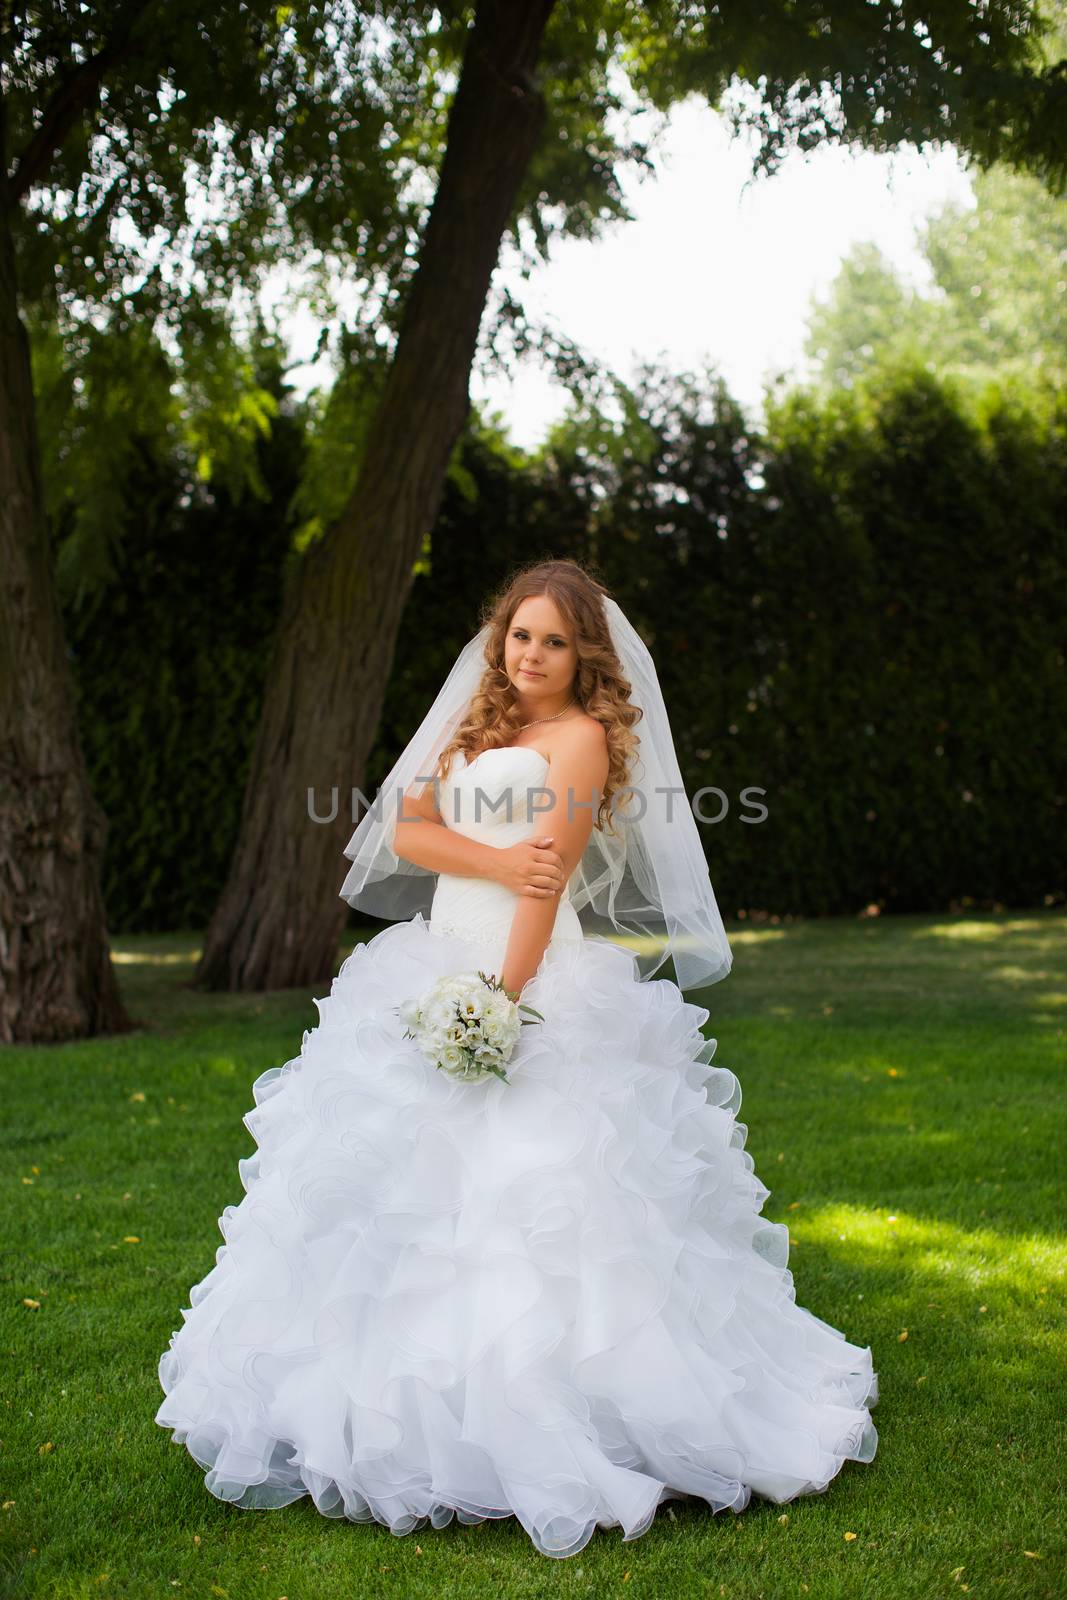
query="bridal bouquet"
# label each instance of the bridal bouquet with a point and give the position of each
(466, 1025)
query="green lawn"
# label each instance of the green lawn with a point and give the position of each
(903, 1091)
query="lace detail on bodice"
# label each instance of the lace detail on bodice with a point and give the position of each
(495, 799)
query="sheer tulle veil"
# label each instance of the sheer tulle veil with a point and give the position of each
(648, 883)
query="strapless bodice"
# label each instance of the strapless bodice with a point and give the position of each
(493, 799)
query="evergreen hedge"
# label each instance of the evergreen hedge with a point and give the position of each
(856, 612)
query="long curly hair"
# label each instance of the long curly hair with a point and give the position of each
(493, 718)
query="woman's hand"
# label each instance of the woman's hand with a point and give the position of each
(531, 867)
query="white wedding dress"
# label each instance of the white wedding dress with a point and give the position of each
(553, 1298)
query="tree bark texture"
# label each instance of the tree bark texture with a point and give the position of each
(56, 977)
(279, 919)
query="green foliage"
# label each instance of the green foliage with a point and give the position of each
(997, 308)
(228, 412)
(105, 404)
(170, 590)
(108, 400)
(853, 615)
(853, 612)
(496, 513)
(153, 190)
(157, 196)
(172, 184)
(340, 417)
(987, 78)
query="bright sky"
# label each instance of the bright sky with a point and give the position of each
(707, 274)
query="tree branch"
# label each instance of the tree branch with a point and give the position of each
(73, 96)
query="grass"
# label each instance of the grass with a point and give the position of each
(902, 1089)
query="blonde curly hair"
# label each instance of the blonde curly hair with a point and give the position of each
(602, 691)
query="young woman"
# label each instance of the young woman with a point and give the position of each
(553, 1297)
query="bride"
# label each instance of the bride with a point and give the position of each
(554, 1297)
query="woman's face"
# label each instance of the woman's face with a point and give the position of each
(540, 655)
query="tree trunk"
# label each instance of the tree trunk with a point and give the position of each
(279, 920)
(56, 977)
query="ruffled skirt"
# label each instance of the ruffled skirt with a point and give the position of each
(554, 1299)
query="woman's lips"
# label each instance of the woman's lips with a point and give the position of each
(528, 674)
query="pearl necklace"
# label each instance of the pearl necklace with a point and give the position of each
(547, 719)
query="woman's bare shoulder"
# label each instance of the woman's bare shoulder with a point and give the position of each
(579, 733)
(592, 725)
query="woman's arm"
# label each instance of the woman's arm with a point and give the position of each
(533, 867)
(578, 773)
(422, 837)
